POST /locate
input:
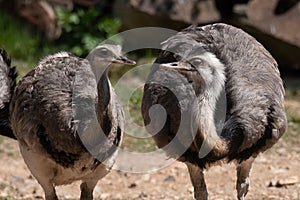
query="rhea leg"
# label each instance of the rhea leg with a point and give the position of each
(87, 189)
(40, 170)
(198, 182)
(49, 190)
(88, 183)
(243, 172)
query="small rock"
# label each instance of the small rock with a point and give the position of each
(104, 196)
(143, 195)
(262, 159)
(146, 177)
(18, 178)
(278, 170)
(284, 182)
(174, 187)
(38, 197)
(282, 151)
(132, 185)
(289, 181)
(272, 183)
(30, 177)
(170, 179)
(174, 171)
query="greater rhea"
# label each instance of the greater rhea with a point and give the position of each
(8, 77)
(53, 114)
(199, 69)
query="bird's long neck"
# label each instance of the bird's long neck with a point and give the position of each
(104, 101)
(103, 89)
(208, 140)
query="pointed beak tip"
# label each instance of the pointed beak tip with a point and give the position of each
(125, 61)
(131, 62)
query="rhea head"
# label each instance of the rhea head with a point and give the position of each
(104, 55)
(201, 68)
(108, 53)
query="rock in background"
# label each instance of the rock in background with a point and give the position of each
(192, 11)
(285, 26)
(275, 23)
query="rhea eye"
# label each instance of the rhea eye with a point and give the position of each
(196, 62)
(104, 52)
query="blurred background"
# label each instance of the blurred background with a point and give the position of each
(31, 29)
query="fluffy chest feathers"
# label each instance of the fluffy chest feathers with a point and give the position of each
(58, 101)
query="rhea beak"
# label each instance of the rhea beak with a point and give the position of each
(124, 60)
(179, 66)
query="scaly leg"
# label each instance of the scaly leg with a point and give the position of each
(88, 183)
(87, 188)
(49, 190)
(197, 178)
(242, 183)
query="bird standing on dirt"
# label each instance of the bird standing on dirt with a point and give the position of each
(8, 77)
(55, 111)
(199, 69)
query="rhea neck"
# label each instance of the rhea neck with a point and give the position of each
(208, 118)
(205, 108)
(103, 84)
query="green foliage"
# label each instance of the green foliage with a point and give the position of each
(135, 106)
(133, 144)
(294, 119)
(83, 29)
(17, 38)
(6, 198)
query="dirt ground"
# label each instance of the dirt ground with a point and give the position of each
(275, 175)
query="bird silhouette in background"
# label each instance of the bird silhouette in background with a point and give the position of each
(68, 120)
(223, 100)
(8, 77)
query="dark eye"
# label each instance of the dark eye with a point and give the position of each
(104, 52)
(196, 62)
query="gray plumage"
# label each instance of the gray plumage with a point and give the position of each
(8, 77)
(188, 79)
(55, 112)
